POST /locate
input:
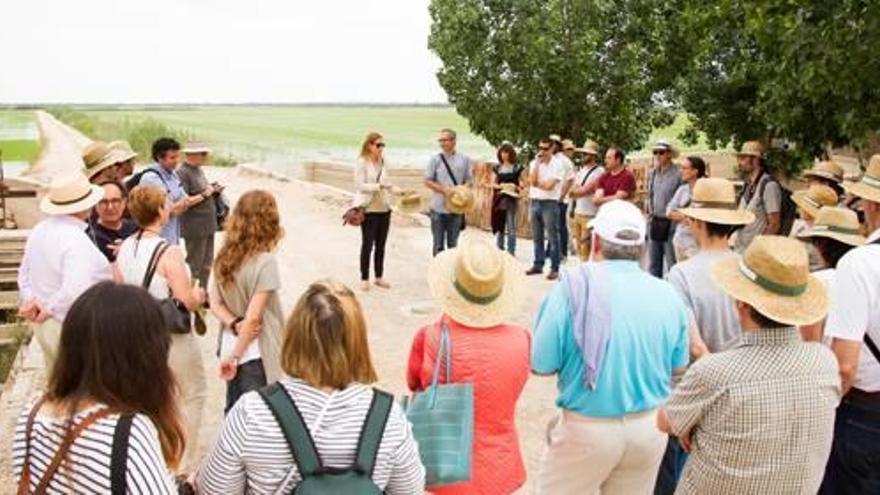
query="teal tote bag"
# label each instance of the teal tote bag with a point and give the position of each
(442, 418)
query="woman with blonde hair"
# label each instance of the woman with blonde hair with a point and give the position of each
(371, 192)
(328, 369)
(244, 296)
(147, 252)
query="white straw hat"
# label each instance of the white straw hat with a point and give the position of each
(869, 186)
(196, 147)
(460, 201)
(70, 194)
(840, 224)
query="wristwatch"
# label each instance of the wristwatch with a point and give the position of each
(234, 325)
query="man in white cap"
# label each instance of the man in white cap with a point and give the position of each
(60, 261)
(198, 223)
(854, 324)
(664, 179)
(614, 362)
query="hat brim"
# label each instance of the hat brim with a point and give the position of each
(854, 240)
(193, 151)
(587, 151)
(126, 156)
(441, 277)
(822, 175)
(863, 191)
(719, 216)
(96, 193)
(798, 199)
(512, 194)
(805, 309)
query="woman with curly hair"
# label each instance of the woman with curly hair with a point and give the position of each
(244, 296)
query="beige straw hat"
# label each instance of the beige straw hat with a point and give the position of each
(70, 194)
(826, 170)
(408, 203)
(713, 200)
(773, 276)
(509, 189)
(124, 150)
(751, 148)
(196, 147)
(840, 224)
(460, 201)
(99, 156)
(869, 186)
(555, 137)
(477, 284)
(813, 198)
(568, 144)
(590, 148)
(665, 145)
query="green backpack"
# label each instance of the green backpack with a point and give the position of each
(317, 479)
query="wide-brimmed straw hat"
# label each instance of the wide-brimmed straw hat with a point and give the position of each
(826, 170)
(70, 194)
(460, 201)
(834, 222)
(751, 148)
(773, 276)
(477, 284)
(869, 186)
(124, 150)
(99, 156)
(665, 145)
(568, 144)
(408, 203)
(713, 200)
(509, 189)
(192, 147)
(590, 148)
(815, 197)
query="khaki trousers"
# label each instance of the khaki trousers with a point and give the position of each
(581, 235)
(602, 455)
(48, 335)
(185, 361)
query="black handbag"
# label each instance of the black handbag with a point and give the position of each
(221, 206)
(177, 318)
(660, 229)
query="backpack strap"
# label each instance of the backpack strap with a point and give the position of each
(119, 454)
(300, 442)
(371, 433)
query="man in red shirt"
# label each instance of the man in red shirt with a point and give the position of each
(617, 182)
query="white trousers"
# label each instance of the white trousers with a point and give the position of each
(185, 361)
(48, 335)
(602, 455)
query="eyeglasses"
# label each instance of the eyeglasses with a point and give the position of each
(659, 152)
(104, 203)
(544, 148)
(379, 145)
(444, 140)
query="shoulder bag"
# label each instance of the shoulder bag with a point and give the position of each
(355, 215)
(660, 226)
(177, 317)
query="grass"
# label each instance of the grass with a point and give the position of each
(19, 150)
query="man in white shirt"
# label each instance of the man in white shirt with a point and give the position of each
(583, 187)
(563, 152)
(545, 181)
(854, 324)
(60, 261)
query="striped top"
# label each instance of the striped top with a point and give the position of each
(252, 456)
(87, 469)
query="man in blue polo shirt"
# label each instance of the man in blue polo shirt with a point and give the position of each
(614, 336)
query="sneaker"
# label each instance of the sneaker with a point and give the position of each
(553, 275)
(534, 271)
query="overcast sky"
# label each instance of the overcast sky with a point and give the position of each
(170, 51)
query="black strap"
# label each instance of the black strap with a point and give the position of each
(151, 169)
(449, 170)
(869, 342)
(589, 173)
(154, 262)
(297, 435)
(119, 454)
(371, 433)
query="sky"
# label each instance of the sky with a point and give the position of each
(217, 51)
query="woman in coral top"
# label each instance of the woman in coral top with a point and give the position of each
(478, 287)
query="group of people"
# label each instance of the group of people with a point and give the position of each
(743, 371)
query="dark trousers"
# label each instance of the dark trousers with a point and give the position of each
(445, 229)
(374, 233)
(563, 230)
(854, 464)
(249, 376)
(200, 257)
(671, 468)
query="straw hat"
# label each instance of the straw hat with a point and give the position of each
(192, 147)
(713, 200)
(408, 203)
(751, 148)
(460, 201)
(555, 137)
(590, 148)
(477, 284)
(817, 196)
(509, 189)
(869, 187)
(568, 144)
(124, 150)
(773, 276)
(70, 194)
(840, 224)
(826, 170)
(665, 145)
(98, 156)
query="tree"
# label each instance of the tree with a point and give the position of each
(521, 69)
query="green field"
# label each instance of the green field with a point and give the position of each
(18, 136)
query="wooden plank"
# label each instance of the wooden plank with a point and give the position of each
(9, 299)
(14, 330)
(8, 275)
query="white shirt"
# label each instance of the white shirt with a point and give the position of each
(855, 307)
(547, 171)
(227, 347)
(584, 205)
(60, 263)
(567, 169)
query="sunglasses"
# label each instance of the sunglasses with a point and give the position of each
(659, 152)
(379, 145)
(544, 148)
(444, 140)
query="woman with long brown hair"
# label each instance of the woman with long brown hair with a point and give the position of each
(371, 192)
(110, 387)
(244, 296)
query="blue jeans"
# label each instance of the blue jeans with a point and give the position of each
(249, 376)
(658, 252)
(510, 225)
(671, 468)
(854, 464)
(445, 229)
(544, 215)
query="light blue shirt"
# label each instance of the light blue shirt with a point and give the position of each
(436, 171)
(649, 338)
(170, 183)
